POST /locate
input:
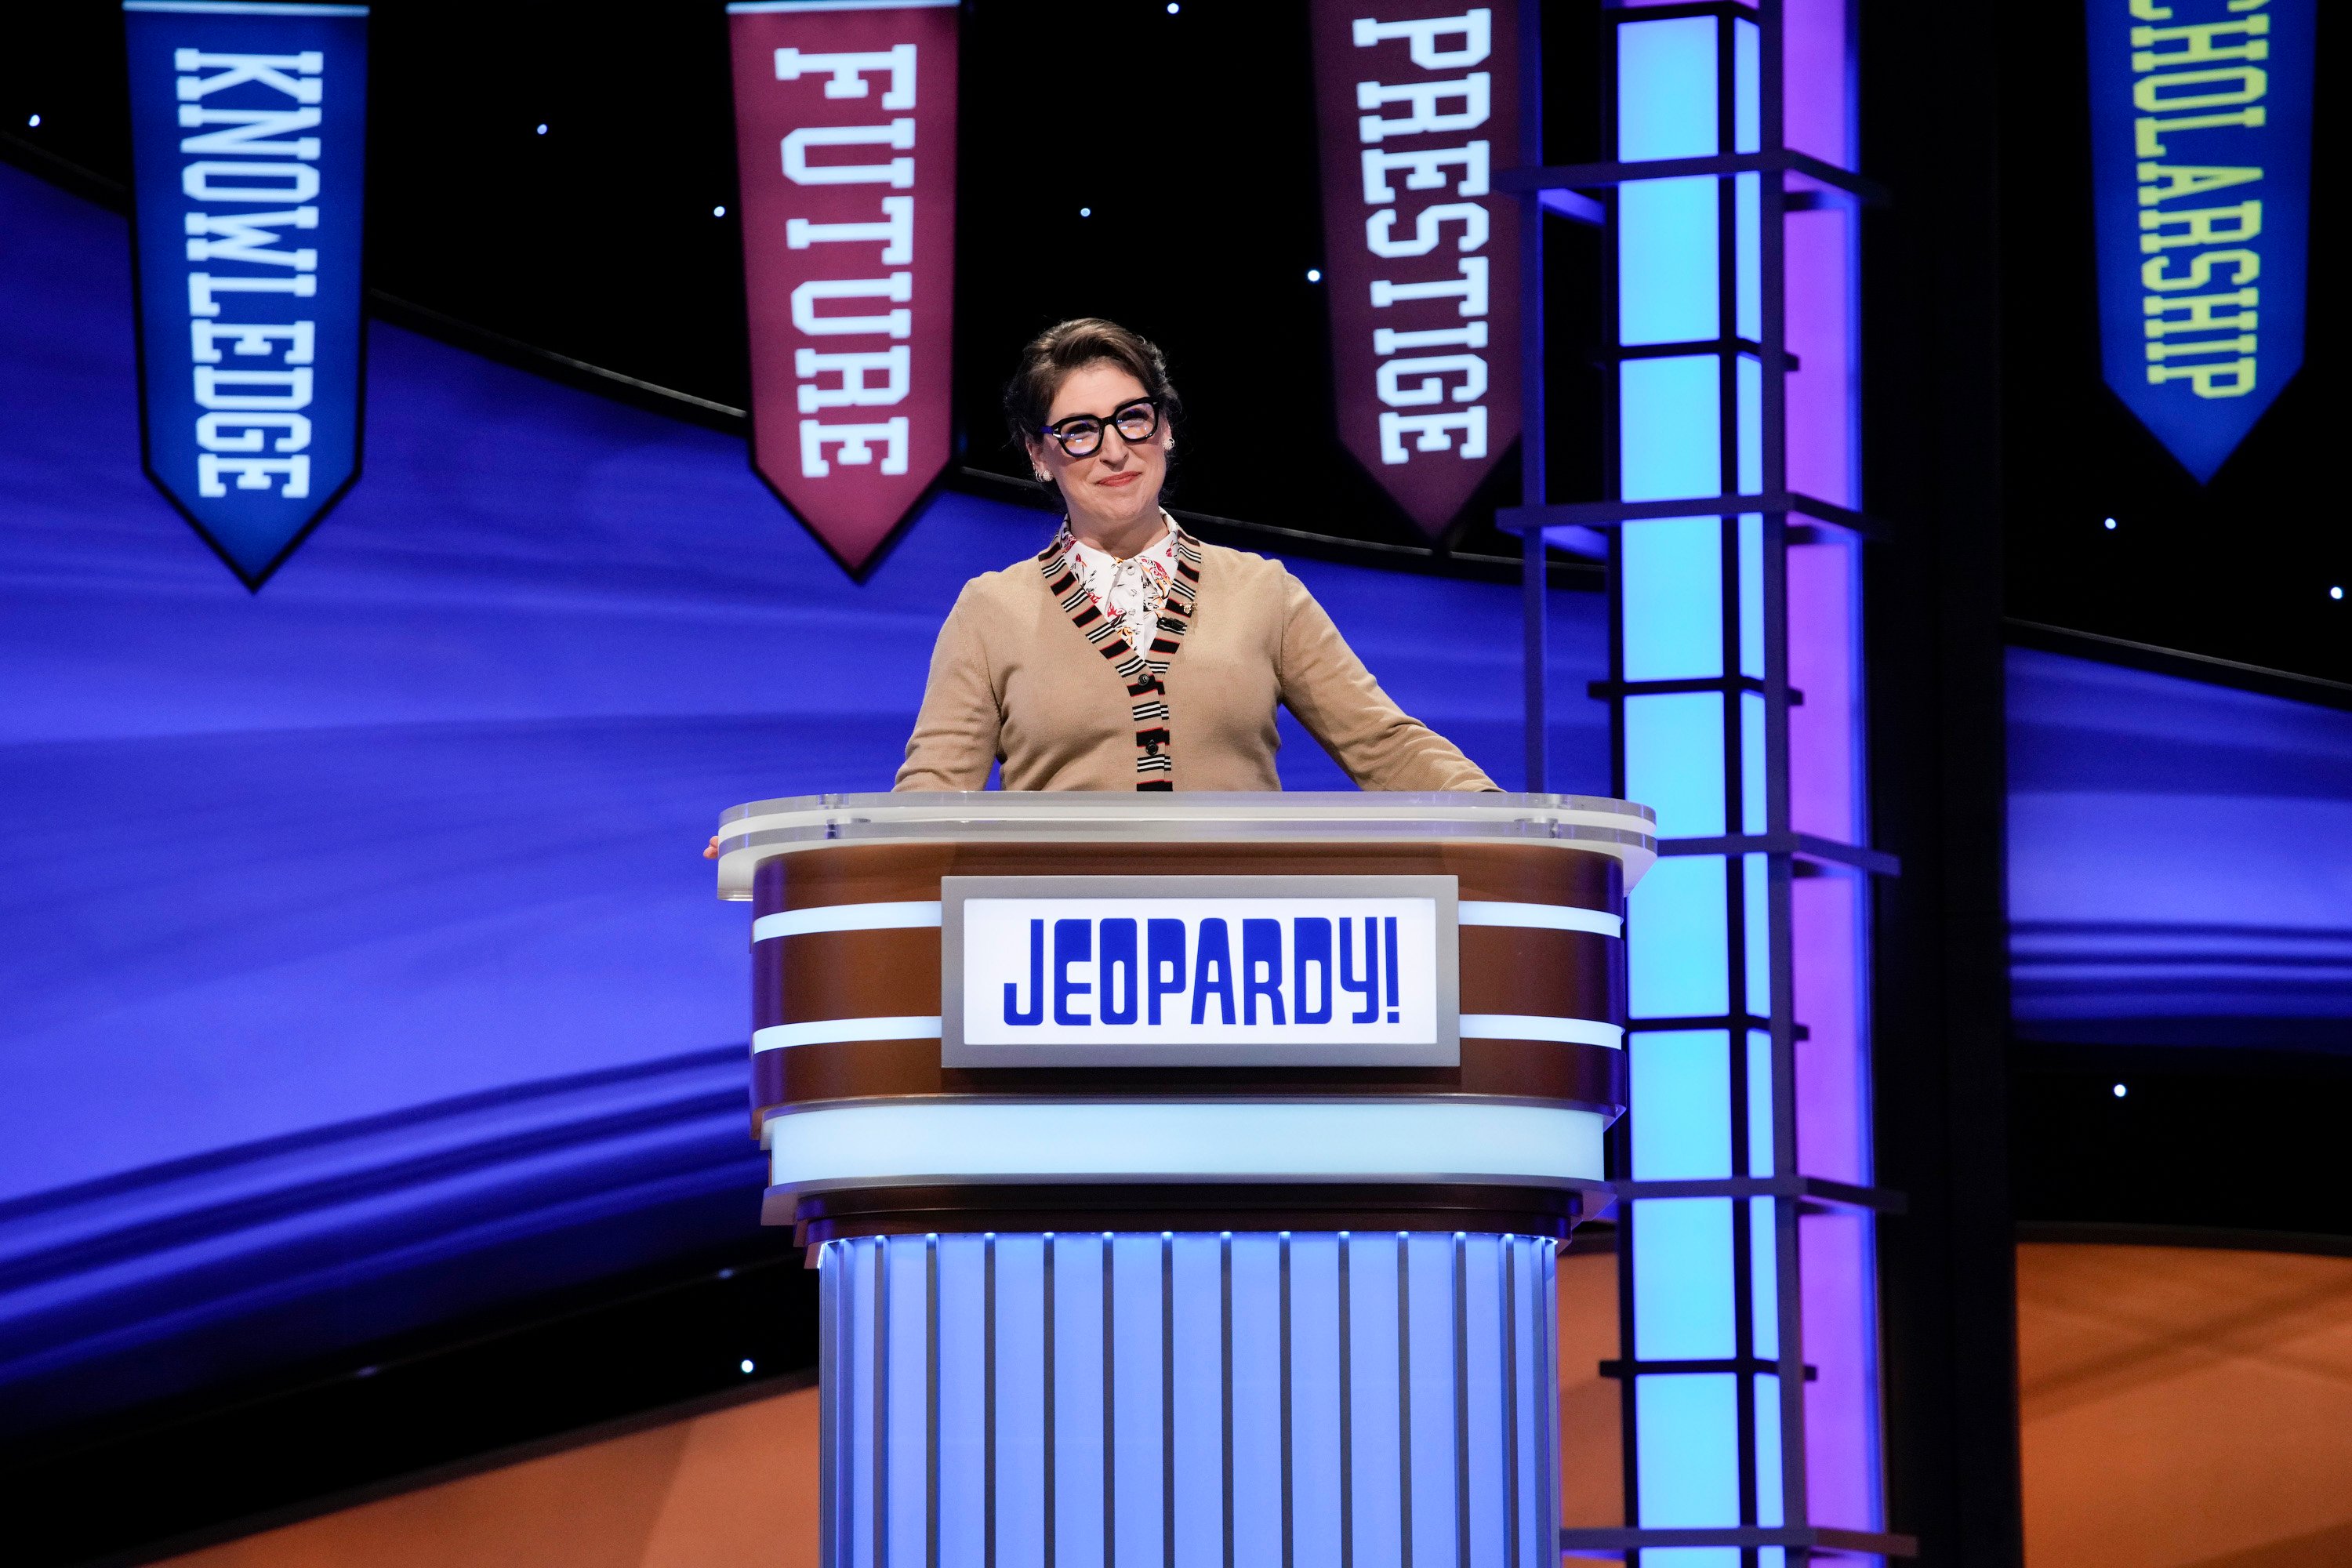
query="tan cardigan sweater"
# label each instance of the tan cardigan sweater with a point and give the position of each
(1012, 679)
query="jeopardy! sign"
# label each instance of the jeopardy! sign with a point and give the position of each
(2200, 140)
(1417, 105)
(845, 122)
(248, 125)
(1199, 971)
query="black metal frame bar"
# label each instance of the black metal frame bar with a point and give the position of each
(1782, 160)
(1814, 1192)
(1730, 343)
(1535, 576)
(1608, 690)
(1746, 1365)
(1813, 1539)
(1826, 852)
(1684, 1023)
(1610, 513)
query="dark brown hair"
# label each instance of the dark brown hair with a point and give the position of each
(1057, 350)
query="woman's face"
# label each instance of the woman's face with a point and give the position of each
(1115, 485)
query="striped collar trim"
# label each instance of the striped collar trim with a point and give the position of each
(1144, 670)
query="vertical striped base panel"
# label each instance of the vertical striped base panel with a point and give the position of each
(1115, 1400)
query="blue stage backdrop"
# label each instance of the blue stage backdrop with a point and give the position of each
(358, 964)
(2180, 860)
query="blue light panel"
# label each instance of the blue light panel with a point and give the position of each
(906, 1399)
(1683, 1280)
(1688, 1067)
(1688, 1451)
(1376, 1443)
(1198, 1425)
(962, 1401)
(1077, 1292)
(1748, 245)
(1683, 972)
(1257, 1405)
(1666, 90)
(1136, 1472)
(1020, 1400)
(1751, 771)
(861, 1291)
(1767, 1448)
(1675, 761)
(1752, 595)
(1674, 626)
(1669, 412)
(1315, 1403)
(1430, 1339)
(1483, 1305)
(1755, 871)
(1763, 1262)
(1667, 244)
(1747, 378)
(1747, 81)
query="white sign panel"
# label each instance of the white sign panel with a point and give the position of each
(1199, 971)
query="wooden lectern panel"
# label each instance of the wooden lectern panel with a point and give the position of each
(894, 973)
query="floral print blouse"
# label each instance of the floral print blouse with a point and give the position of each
(1129, 591)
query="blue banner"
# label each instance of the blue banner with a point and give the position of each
(248, 124)
(2200, 143)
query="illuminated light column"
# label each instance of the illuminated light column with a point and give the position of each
(1747, 1264)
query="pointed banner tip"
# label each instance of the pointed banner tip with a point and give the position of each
(1422, 281)
(2201, 191)
(247, 239)
(845, 137)
(860, 543)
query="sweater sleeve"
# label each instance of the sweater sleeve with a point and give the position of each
(957, 731)
(1326, 686)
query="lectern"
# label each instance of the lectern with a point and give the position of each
(1185, 1171)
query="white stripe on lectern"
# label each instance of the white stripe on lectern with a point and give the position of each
(837, 1031)
(1542, 916)
(847, 916)
(1325, 1139)
(1534, 1026)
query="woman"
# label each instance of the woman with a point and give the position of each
(1129, 654)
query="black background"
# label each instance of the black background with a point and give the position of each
(2236, 569)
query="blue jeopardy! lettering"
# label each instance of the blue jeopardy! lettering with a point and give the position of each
(1117, 969)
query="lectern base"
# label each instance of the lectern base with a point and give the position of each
(1308, 1399)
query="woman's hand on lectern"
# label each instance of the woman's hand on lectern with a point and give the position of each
(712, 853)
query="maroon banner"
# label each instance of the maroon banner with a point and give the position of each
(844, 129)
(1418, 104)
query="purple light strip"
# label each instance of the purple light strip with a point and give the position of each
(1827, 789)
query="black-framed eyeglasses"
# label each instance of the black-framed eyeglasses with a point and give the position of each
(1081, 436)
